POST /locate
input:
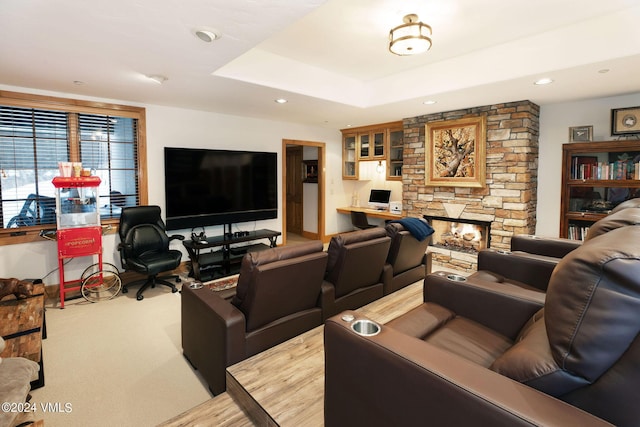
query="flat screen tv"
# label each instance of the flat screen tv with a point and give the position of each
(212, 187)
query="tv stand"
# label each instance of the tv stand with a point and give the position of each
(204, 265)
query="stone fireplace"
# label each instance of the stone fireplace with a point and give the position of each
(452, 234)
(508, 201)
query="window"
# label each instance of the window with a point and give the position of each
(38, 132)
(108, 147)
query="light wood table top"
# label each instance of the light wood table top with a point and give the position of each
(287, 381)
(373, 213)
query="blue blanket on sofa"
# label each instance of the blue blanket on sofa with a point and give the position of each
(418, 228)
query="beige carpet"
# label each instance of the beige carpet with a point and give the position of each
(117, 362)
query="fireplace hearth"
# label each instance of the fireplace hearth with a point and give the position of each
(460, 235)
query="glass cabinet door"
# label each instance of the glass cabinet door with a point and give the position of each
(378, 144)
(365, 148)
(349, 164)
(396, 149)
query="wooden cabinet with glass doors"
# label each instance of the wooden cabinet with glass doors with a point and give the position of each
(372, 143)
(596, 177)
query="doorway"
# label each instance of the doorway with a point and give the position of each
(299, 215)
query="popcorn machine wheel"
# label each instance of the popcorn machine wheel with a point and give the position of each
(100, 284)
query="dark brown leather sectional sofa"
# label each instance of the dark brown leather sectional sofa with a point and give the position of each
(407, 261)
(285, 291)
(479, 354)
(532, 259)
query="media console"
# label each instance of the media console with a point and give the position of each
(204, 265)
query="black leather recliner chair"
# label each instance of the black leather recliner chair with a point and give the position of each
(144, 248)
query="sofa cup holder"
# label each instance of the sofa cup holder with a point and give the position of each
(365, 327)
(195, 285)
(456, 278)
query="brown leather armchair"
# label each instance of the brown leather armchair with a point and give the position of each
(407, 261)
(474, 355)
(354, 270)
(276, 299)
(532, 259)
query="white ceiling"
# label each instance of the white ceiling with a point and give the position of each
(330, 59)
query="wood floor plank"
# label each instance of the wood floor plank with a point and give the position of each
(221, 411)
(285, 385)
(287, 381)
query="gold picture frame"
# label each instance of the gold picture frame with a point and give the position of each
(455, 153)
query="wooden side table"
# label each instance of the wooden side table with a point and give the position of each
(22, 326)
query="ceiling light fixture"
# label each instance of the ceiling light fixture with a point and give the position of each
(380, 167)
(157, 78)
(410, 38)
(207, 35)
(281, 101)
(429, 102)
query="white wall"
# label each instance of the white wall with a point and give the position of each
(555, 121)
(176, 127)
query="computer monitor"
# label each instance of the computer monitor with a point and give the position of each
(379, 199)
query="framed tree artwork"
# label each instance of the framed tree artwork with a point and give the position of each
(455, 153)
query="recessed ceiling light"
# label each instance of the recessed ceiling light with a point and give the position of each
(78, 82)
(603, 71)
(157, 78)
(281, 101)
(429, 102)
(544, 81)
(206, 34)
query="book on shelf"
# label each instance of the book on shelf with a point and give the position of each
(587, 167)
(577, 232)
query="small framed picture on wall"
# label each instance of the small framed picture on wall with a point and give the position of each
(581, 134)
(625, 121)
(310, 171)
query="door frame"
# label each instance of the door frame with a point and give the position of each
(321, 146)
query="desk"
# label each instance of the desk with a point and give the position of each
(373, 213)
(227, 255)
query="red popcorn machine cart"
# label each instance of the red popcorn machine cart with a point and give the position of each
(79, 234)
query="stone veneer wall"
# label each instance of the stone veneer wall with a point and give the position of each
(509, 198)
